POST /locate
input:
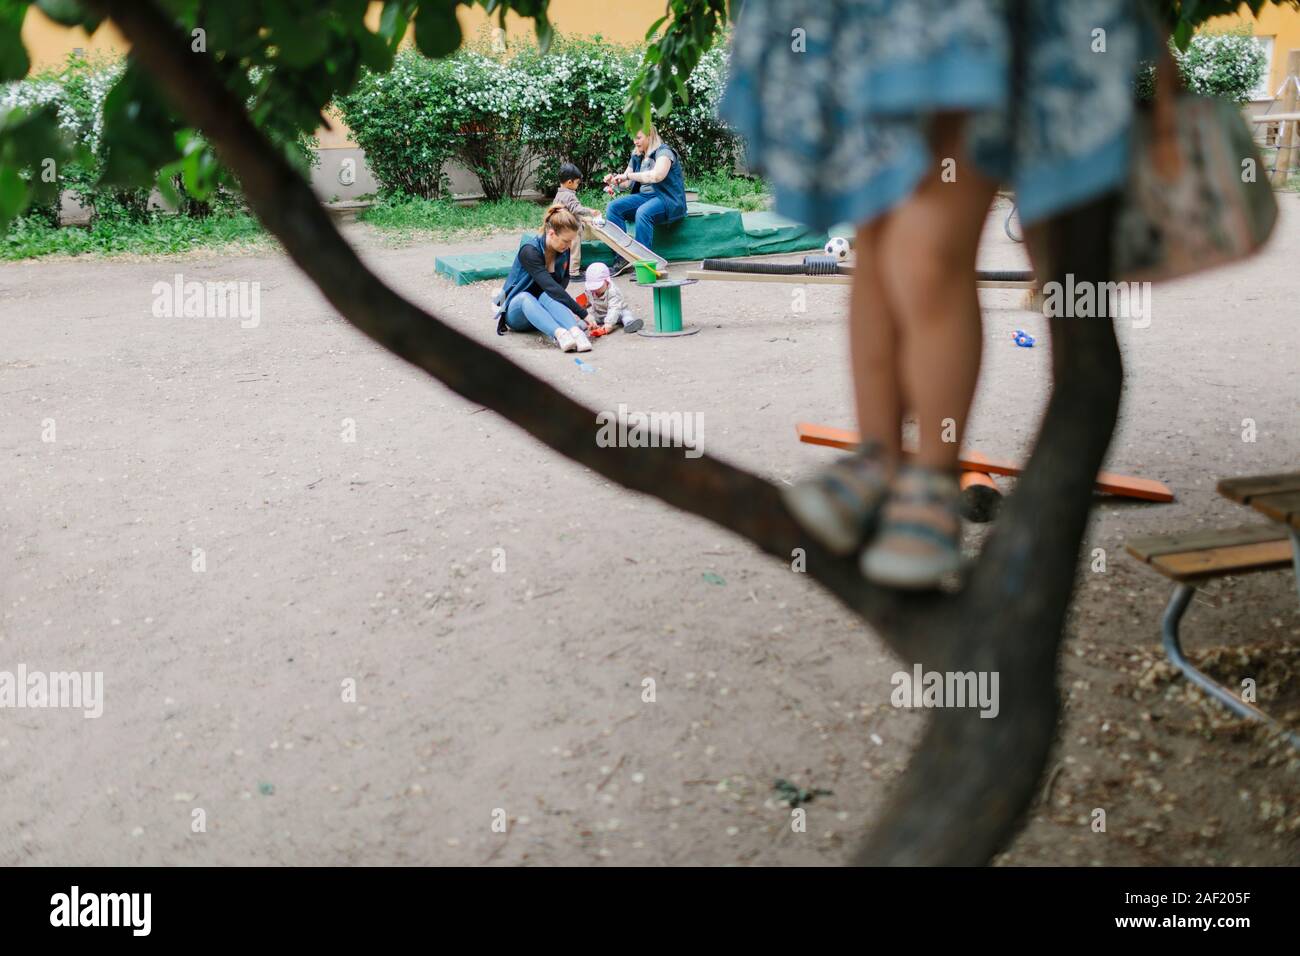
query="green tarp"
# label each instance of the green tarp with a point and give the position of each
(767, 233)
(707, 232)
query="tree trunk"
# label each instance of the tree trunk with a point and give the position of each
(971, 779)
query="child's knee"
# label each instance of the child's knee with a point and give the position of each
(925, 267)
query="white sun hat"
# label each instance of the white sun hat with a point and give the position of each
(597, 276)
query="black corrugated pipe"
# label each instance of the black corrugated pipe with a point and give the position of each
(829, 265)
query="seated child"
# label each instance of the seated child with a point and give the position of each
(608, 308)
(567, 195)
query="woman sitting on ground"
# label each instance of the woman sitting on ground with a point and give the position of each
(659, 192)
(534, 295)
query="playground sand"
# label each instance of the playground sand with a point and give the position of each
(328, 564)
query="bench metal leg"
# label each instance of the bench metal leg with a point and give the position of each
(1174, 612)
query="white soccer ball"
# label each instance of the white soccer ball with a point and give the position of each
(838, 247)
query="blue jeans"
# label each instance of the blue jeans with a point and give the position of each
(646, 209)
(539, 312)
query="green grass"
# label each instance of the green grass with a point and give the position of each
(409, 218)
(160, 234)
(725, 189)
(412, 218)
(402, 218)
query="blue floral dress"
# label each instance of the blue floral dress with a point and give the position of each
(833, 97)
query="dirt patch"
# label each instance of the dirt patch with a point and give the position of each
(520, 689)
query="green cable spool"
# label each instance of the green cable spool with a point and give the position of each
(666, 296)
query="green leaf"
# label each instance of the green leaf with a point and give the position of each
(376, 54)
(13, 194)
(392, 23)
(165, 185)
(14, 63)
(139, 131)
(301, 41)
(28, 139)
(654, 28)
(437, 31)
(70, 13)
(545, 32)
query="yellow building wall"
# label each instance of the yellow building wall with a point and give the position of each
(623, 21)
(49, 43)
(1282, 23)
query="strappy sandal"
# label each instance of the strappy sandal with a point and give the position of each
(839, 506)
(919, 540)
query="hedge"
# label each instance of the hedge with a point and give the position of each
(1228, 65)
(77, 91)
(510, 116)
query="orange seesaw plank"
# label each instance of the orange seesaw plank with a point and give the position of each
(1126, 486)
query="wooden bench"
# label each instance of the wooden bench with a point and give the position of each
(1192, 558)
(1202, 555)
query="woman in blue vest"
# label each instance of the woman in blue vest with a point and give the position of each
(654, 174)
(534, 295)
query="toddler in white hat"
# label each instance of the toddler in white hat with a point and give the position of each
(608, 308)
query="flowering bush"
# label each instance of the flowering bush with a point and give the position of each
(705, 144)
(77, 92)
(405, 120)
(578, 115)
(508, 117)
(498, 101)
(1228, 65)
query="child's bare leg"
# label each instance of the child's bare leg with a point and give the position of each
(873, 349)
(928, 257)
(928, 247)
(838, 506)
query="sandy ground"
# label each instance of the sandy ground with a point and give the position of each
(520, 691)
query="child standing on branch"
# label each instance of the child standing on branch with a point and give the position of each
(903, 116)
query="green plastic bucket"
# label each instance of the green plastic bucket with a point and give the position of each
(646, 272)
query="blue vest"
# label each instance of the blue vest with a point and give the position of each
(518, 280)
(671, 189)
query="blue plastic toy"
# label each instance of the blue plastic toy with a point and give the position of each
(1023, 339)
